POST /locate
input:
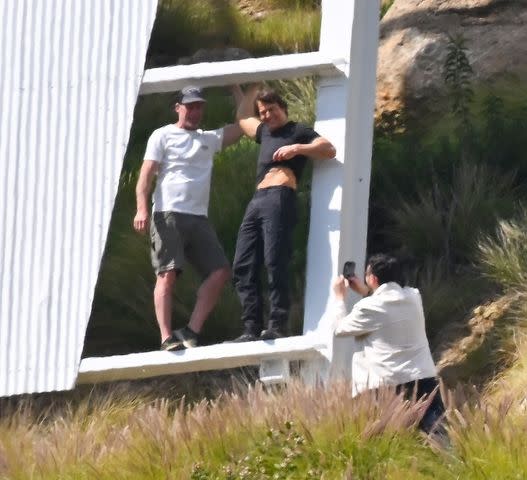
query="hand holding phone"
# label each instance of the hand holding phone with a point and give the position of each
(349, 270)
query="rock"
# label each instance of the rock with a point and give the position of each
(253, 10)
(414, 36)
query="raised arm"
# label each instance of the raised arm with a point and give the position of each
(233, 131)
(142, 192)
(245, 114)
(320, 148)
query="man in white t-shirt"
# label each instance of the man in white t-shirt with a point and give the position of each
(181, 155)
(389, 328)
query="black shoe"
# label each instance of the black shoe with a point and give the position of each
(172, 344)
(244, 337)
(187, 337)
(272, 334)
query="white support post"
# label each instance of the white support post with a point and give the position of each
(340, 189)
(275, 371)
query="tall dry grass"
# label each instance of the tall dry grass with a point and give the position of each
(503, 258)
(294, 432)
(250, 433)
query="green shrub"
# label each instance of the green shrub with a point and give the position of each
(503, 257)
(489, 442)
(292, 32)
(183, 27)
(447, 295)
(445, 220)
(385, 6)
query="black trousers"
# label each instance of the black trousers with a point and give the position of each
(265, 238)
(431, 421)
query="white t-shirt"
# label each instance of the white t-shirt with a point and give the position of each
(391, 343)
(185, 166)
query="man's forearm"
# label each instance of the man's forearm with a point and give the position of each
(237, 94)
(246, 104)
(142, 194)
(322, 149)
(144, 185)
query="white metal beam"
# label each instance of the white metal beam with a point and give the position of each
(211, 357)
(170, 79)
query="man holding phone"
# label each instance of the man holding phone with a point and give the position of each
(389, 326)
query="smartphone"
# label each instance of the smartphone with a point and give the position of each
(349, 270)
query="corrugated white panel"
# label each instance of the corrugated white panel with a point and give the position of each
(70, 72)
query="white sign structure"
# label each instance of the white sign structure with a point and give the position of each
(346, 66)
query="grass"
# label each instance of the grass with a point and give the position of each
(504, 256)
(300, 33)
(447, 296)
(182, 28)
(434, 197)
(385, 6)
(296, 432)
(445, 219)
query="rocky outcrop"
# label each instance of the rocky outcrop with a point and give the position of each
(413, 40)
(465, 347)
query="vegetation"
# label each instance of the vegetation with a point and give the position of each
(183, 27)
(435, 195)
(294, 433)
(385, 6)
(503, 260)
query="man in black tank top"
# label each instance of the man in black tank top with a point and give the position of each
(265, 235)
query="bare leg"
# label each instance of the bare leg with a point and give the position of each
(207, 297)
(163, 302)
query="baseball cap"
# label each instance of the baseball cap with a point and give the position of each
(191, 94)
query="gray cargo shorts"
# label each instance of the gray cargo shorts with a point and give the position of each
(176, 237)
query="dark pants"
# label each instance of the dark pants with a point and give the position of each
(435, 411)
(265, 237)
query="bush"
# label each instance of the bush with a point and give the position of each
(183, 27)
(503, 257)
(445, 220)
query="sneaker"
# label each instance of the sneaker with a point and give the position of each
(171, 344)
(244, 337)
(186, 337)
(272, 334)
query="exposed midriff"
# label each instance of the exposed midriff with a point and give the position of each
(277, 177)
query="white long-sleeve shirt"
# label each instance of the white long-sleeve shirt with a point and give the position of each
(389, 328)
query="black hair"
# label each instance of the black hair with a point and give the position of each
(386, 268)
(269, 96)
